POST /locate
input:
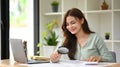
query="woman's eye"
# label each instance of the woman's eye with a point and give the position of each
(73, 22)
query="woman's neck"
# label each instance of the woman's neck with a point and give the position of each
(81, 34)
(82, 38)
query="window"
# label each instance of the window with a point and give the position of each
(23, 23)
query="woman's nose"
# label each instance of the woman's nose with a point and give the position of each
(69, 26)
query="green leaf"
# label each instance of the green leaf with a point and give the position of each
(39, 45)
(55, 3)
(52, 39)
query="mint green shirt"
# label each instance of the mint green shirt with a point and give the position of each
(94, 46)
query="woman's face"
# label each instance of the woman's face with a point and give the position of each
(73, 24)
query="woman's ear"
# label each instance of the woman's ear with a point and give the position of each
(82, 20)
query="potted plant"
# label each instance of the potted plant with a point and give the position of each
(50, 39)
(104, 5)
(55, 5)
(107, 35)
(49, 42)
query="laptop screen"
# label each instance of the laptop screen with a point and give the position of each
(18, 50)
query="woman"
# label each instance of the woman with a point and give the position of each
(83, 44)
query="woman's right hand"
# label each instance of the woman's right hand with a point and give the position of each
(55, 57)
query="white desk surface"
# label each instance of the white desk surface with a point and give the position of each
(68, 63)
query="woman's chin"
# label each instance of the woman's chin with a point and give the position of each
(73, 33)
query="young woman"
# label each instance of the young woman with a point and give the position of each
(83, 44)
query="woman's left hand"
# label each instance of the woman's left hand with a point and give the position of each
(94, 59)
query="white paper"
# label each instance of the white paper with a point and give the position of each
(67, 63)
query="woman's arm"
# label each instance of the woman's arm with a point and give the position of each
(105, 54)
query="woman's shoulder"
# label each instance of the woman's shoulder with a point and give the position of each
(96, 36)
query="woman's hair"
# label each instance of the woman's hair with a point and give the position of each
(70, 39)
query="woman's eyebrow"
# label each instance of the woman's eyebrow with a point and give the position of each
(72, 21)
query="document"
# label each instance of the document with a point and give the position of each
(70, 63)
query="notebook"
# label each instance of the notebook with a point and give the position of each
(19, 52)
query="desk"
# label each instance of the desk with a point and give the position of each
(7, 63)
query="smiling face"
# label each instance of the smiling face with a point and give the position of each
(74, 25)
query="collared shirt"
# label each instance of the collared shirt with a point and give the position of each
(94, 46)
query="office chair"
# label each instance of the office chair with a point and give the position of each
(114, 55)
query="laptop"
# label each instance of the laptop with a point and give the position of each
(19, 52)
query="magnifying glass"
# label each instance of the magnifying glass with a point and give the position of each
(63, 50)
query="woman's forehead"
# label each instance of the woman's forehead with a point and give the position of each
(70, 18)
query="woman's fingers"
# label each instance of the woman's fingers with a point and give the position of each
(54, 57)
(91, 59)
(94, 59)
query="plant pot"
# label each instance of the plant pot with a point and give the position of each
(55, 8)
(48, 50)
(104, 7)
(107, 37)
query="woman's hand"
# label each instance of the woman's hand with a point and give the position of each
(94, 59)
(55, 57)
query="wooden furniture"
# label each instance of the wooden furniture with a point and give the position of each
(7, 63)
(114, 65)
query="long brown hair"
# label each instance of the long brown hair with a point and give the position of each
(70, 39)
